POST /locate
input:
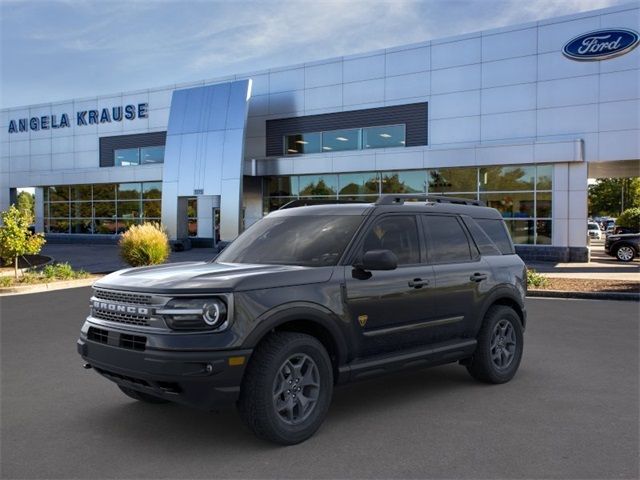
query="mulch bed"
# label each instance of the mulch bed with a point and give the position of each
(588, 285)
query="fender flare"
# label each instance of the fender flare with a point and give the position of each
(311, 312)
(500, 293)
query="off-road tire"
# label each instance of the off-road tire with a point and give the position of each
(481, 366)
(141, 396)
(629, 253)
(256, 404)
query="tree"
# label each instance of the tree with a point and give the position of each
(610, 196)
(26, 202)
(630, 219)
(16, 239)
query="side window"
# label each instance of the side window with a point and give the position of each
(396, 233)
(446, 240)
(482, 240)
(497, 232)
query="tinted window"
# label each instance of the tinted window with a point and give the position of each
(481, 239)
(447, 241)
(313, 241)
(496, 231)
(398, 234)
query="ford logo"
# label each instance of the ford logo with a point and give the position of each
(601, 44)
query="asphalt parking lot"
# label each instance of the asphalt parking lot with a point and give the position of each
(571, 412)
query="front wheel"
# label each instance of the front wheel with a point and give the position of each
(287, 388)
(500, 344)
(625, 253)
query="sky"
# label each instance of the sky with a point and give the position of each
(54, 50)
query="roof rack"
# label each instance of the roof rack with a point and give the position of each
(401, 198)
(301, 202)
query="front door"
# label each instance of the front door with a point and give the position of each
(391, 309)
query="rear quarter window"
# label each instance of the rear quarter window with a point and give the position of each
(497, 232)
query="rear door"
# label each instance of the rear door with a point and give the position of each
(461, 275)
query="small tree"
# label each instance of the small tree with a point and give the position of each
(15, 238)
(630, 218)
(145, 244)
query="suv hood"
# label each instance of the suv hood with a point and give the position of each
(192, 277)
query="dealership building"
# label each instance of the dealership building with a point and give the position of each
(518, 117)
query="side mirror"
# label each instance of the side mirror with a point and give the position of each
(379, 260)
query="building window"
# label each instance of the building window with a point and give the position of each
(138, 156)
(106, 208)
(385, 136)
(521, 193)
(192, 216)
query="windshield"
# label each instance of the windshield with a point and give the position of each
(312, 241)
(594, 226)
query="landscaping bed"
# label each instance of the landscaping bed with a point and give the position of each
(588, 285)
(49, 274)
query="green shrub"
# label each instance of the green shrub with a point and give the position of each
(534, 279)
(6, 281)
(62, 271)
(145, 244)
(630, 218)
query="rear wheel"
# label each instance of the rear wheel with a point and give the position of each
(141, 396)
(625, 253)
(287, 388)
(500, 344)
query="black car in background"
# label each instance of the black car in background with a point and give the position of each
(624, 247)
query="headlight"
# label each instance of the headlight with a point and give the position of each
(194, 313)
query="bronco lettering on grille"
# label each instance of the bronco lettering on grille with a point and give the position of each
(126, 309)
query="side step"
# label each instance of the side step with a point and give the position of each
(436, 354)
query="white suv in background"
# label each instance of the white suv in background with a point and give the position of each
(594, 231)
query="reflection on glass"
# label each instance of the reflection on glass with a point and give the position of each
(152, 190)
(510, 205)
(271, 204)
(126, 157)
(338, 140)
(104, 226)
(81, 209)
(383, 137)
(545, 176)
(302, 143)
(522, 231)
(124, 225)
(81, 225)
(404, 182)
(543, 232)
(507, 178)
(453, 180)
(152, 155)
(128, 191)
(104, 209)
(59, 194)
(282, 186)
(318, 185)
(358, 183)
(59, 210)
(58, 225)
(543, 205)
(151, 209)
(104, 191)
(81, 192)
(128, 210)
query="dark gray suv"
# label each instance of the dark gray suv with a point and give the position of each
(311, 297)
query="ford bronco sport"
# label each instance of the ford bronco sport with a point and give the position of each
(311, 297)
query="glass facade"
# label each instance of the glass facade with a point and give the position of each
(522, 193)
(105, 208)
(138, 156)
(385, 136)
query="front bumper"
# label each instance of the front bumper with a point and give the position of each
(201, 379)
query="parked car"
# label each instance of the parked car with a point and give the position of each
(311, 297)
(624, 247)
(594, 230)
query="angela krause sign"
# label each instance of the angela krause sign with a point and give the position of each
(601, 44)
(83, 117)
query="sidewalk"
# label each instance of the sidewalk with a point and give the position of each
(105, 259)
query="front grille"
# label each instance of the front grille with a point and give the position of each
(133, 342)
(129, 319)
(122, 297)
(98, 335)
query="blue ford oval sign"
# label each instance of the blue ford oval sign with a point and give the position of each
(601, 44)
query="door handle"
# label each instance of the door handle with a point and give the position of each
(478, 277)
(418, 283)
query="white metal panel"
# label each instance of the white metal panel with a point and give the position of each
(505, 154)
(232, 158)
(159, 99)
(254, 147)
(454, 54)
(40, 162)
(88, 159)
(39, 112)
(286, 80)
(84, 143)
(447, 157)
(455, 79)
(318, 164)
(509, 98)
(259, 105)
(135, 98)
(354, 163)
(62, 161)
(396, 159)
(458, 104)
(408, 61)
(508, 125)
(323, 75)
(323, 97)
(287, 102)
(407, 86)
(621, 145)
(212, 168)
(453, 130)
(257, 126)
(363, 92)
(623, 115)
(19, 148)
(363, 68)
(554, 36)
(259, 82)
(620, 86)
(568, 120)
(509, 72)
(555, 65)
(516, 43)
(41, 146)
(159, 119)
(568, 91)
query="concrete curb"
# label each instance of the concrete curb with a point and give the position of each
(633, 297)
(47, 287)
